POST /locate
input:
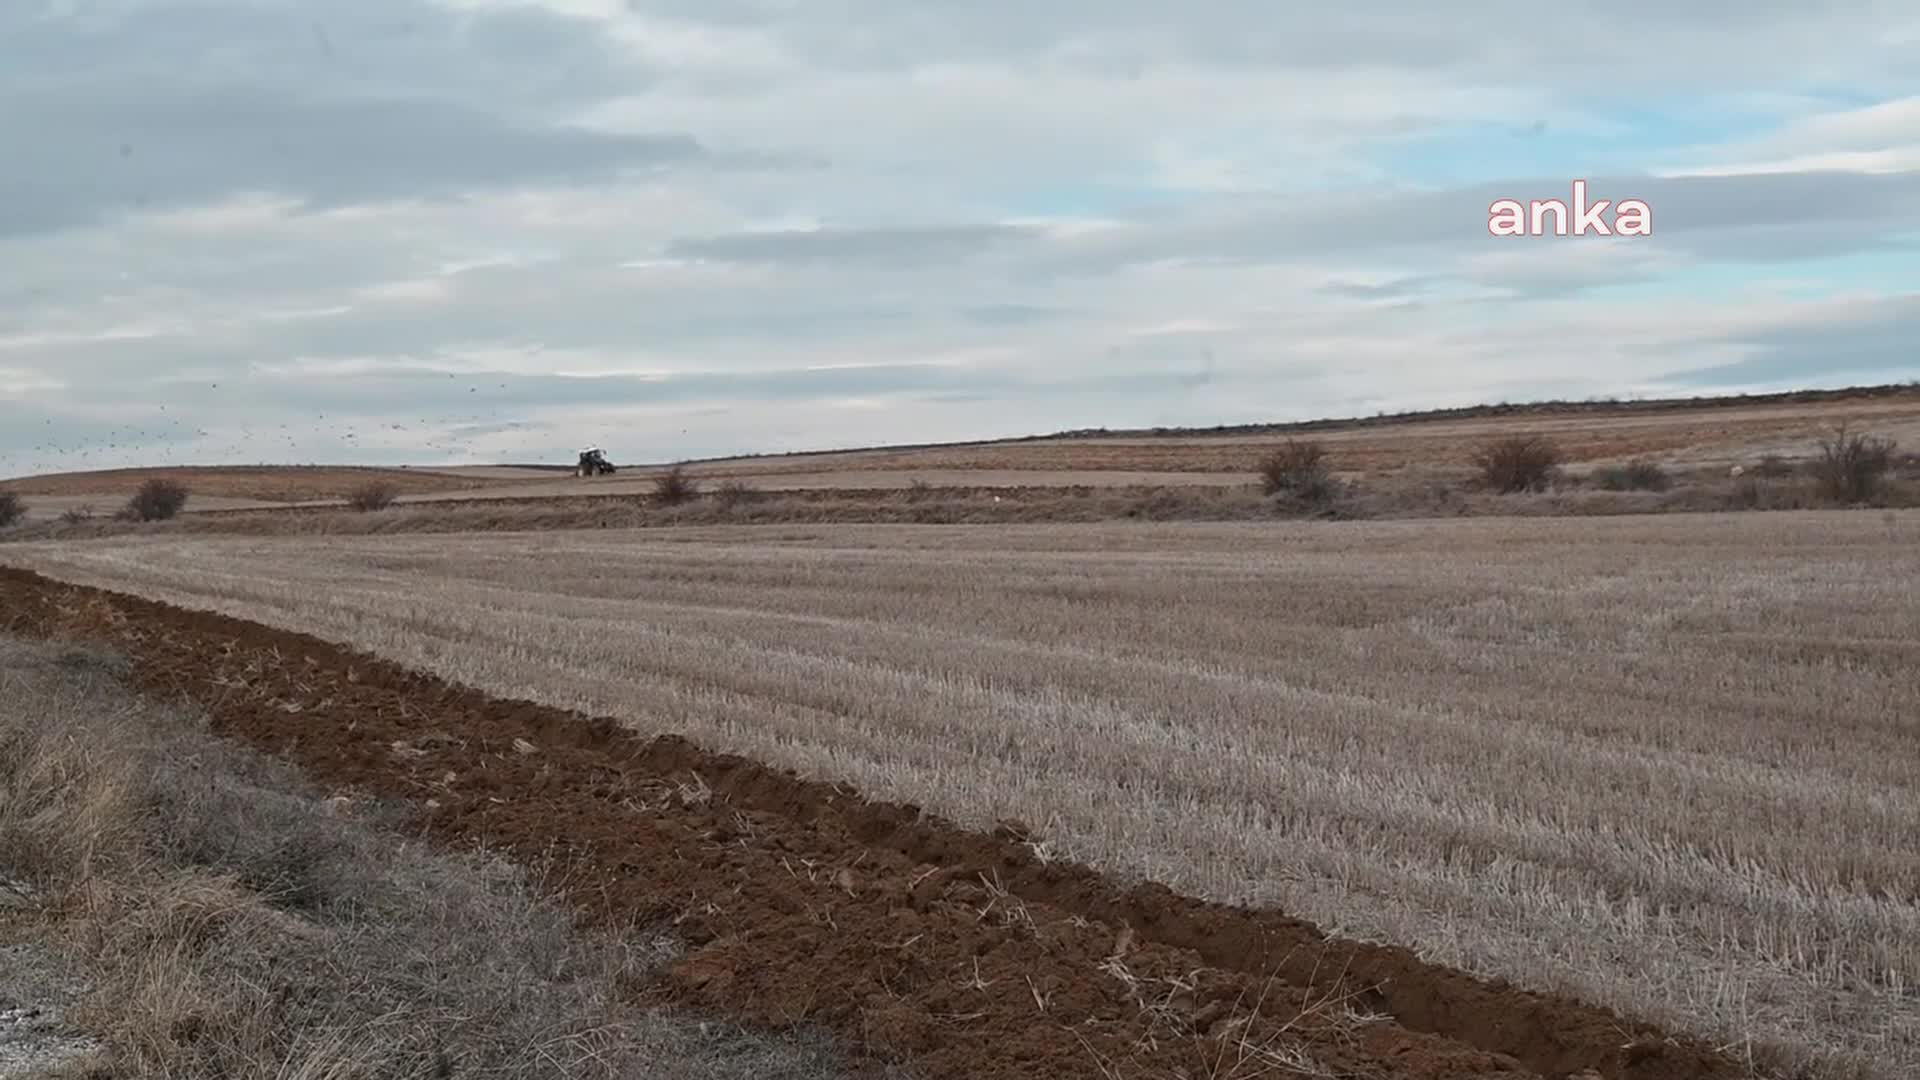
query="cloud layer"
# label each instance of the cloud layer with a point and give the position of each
(496, 229)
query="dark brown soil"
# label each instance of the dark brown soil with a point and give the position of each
(960, 954)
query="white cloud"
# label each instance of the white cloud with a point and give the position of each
(719, 225)
(1880, 138)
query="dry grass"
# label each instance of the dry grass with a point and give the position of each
(225, 921)
(1665, 763)
(372, 496)
(1633, 476)
(266, 483)
(1413, 496)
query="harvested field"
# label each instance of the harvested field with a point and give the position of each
(953, 955)
(247, 483)
(1413, 451)
(1665, 764)
(1702, 436)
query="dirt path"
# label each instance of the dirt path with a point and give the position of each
(963, 955)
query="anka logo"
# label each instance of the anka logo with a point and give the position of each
(1509, 217)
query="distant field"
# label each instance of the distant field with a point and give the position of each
(1704, 436)
(261, 483)
(1666, 764)
(1405, 451)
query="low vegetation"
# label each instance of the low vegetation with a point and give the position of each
(1298, 468)
(1851, 467)
(733, 494)
(674, 486)
(1516, 463)
(1501, 742)
(158, 499)
(224, 920)
(12, 509)
(1633, 476)
(371, 496)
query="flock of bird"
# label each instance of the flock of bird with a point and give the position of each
(169, 438)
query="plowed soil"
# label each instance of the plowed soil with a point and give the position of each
(961, 954)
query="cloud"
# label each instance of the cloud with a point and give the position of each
(1858, 339)
(183, 105)
(899, 244)
(675, 227)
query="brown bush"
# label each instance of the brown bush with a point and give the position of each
(157, 500)
(1516, 463)
(377, 495)
(1297, 468)
(1633, 476)
(674, 486)
(1851, 466)
(11, 509)
(733, 493)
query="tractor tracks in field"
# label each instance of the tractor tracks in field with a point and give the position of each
(958, 954)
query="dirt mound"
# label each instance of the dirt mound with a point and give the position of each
(968, 955)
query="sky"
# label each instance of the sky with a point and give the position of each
(461, 231)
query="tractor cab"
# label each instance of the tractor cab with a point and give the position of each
(593, 462)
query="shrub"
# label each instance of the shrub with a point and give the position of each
(1518, 463)
(157, 500)
(674, 486)
(1633, 476)
(11, 509)
(1297, 468)
(1851, 466)
(1773, 466)
(76, 515)
(733, 493)
(377, 495)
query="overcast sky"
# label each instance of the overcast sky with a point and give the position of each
(486, 230)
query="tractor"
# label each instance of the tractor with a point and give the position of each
(593, 463)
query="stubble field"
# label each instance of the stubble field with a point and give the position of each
(1408, 454)
(1663, 764)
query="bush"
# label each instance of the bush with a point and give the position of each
(1773, 467)
(1297, 468)
(733, 493)
(1633, 476)
(377, 495)
(76, 515)
(157, 500)
(1851, 466)
(11, 509)
(674, 486)
(1518, 463)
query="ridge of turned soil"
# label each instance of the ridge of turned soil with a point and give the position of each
(962, 954)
